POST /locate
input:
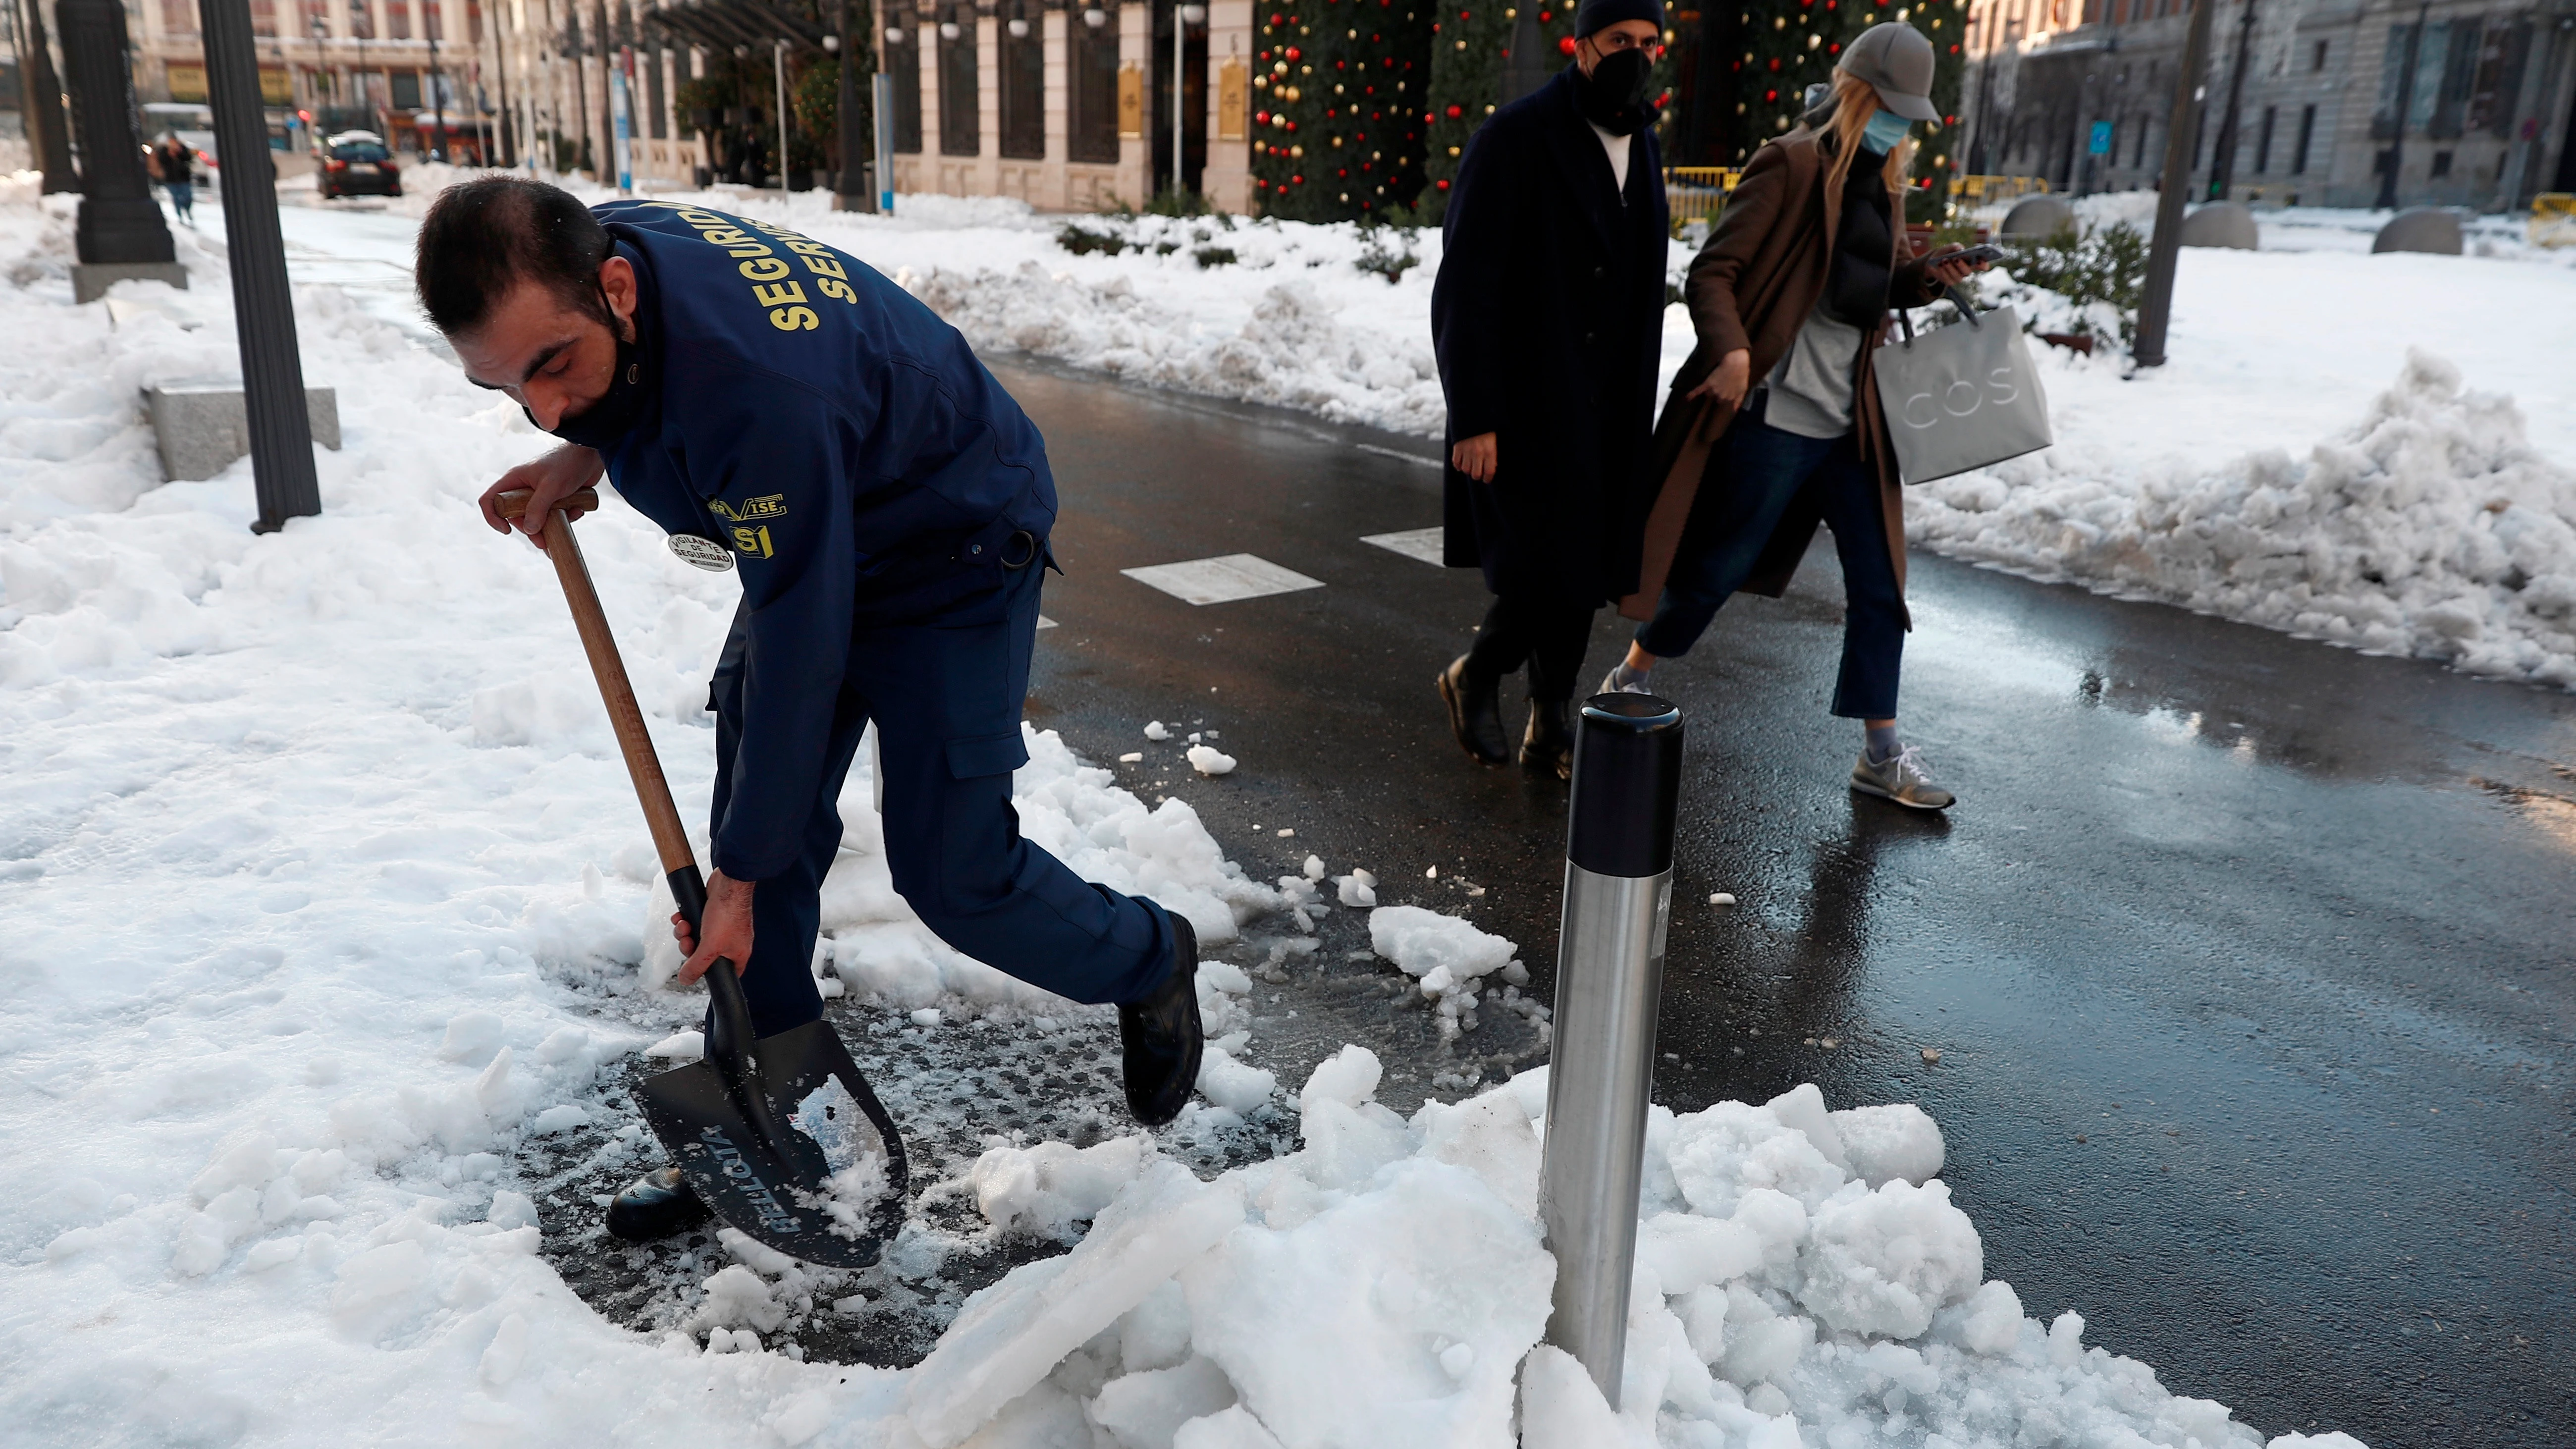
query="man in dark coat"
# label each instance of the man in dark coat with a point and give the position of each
(1548, 320)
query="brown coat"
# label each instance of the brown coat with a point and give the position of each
(1752, 286)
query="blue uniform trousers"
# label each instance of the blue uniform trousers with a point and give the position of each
(1763, 468)
(947, 704)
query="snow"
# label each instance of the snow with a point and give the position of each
(329, 894)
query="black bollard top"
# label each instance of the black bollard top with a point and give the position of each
(1627, 785)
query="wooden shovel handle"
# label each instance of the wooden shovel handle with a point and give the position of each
(670, 838)
(514, 504)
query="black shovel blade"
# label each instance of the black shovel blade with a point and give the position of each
(774, 1192)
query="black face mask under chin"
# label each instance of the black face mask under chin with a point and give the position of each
(604, 422)
(1613, 97)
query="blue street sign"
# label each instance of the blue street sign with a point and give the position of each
(2101, 145)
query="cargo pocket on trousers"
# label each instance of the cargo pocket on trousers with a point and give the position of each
(987, 755)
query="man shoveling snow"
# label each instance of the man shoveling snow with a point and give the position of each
(775, 405)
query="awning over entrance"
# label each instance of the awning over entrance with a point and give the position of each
(721, 25)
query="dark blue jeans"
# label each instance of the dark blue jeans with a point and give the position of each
(947, 703)
(1757, 472)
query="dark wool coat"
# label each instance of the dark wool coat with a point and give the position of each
(1752, 286)
(1548, 319)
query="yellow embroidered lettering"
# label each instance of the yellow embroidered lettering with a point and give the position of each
(748, 249)
(729, 236)
(794, 319)
(836, 290)
(777, 294)
(752, 541)
(824, 267)
(808, 248)
(766, 269)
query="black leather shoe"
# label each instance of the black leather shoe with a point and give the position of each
(1162, 1037)
(655, 1205)
(1547, 744)
(1475, 715)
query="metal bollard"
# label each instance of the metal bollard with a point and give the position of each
(1609, 983)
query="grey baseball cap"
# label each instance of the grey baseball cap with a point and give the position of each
(1897, 62)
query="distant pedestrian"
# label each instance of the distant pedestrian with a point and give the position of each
(1773, 426)
(176, 166)
(1548, 319)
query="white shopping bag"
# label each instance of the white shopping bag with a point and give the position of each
(1961, 397)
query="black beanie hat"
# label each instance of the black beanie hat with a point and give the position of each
(1597, 15)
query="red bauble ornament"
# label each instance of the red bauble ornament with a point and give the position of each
(1292, 52)
(1456, 111)
(1261, 118)
(1565, 46)
(1443, 185)
(1770, 95)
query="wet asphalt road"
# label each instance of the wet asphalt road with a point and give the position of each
(2247, 959)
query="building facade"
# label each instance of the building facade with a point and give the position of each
(2300, 102)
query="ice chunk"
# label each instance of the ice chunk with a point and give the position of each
(1328, 1329)
(1988, 1322)
(1561, 1408)
(472, 1036)
(1209, 760)
(1719, 1154)
(686, 1046)
(736, 1296)
(1231, 1084)
(511, 1210)
(1048, 1188)
(1010, 1334)
(1803, 1107)
(1490, 1136)
(1156, 731)
(1144, 1410)
(1357, 890)
(1885, 1144)
(1420, 941)
(1349, 1076)
(562, 1117)
(1314, 867)
(1155, 1334)
(1685, 1251)
(1882, 1263)
(1235, 1428)
(1764, 1349)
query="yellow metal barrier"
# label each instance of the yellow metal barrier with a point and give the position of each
(1696, 193)
(2553, 219)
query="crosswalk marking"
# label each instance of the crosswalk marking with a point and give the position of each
(1222, 580)
(1421, 543)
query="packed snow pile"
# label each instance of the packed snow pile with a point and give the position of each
(1802, 1278)
(2432, 528)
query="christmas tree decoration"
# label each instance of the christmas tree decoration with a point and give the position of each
(1337, 106)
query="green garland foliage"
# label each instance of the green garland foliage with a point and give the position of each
(1337, 98)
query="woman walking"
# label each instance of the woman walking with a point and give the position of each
(176, 168)
(1777, 407)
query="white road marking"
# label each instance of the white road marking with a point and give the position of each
(1421, 543)
(1222, 580)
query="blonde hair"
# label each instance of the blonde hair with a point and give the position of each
(1855, 101)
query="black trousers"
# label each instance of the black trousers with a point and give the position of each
(1547, 635)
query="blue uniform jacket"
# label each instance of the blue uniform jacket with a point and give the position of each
(810, 415)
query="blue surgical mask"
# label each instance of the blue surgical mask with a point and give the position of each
(1885, 129)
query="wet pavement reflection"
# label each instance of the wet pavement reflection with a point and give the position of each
(2246, 960)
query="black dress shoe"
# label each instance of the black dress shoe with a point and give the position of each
(1547, 744)
(1162, 1037)
(1475, 715)
(655, 1205)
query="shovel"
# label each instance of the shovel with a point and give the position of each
(729, 1119)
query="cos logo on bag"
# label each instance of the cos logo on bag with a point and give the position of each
(1961, 398)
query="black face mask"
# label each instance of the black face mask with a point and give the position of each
(630, 390)
(1613, 97)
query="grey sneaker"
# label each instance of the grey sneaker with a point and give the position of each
(1610, 683)
(1902, 779)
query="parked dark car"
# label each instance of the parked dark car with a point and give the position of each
(356, 163)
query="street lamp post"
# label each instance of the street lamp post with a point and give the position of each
(120, 232)
(2222, 160)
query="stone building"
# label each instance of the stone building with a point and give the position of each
(2299, 103)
